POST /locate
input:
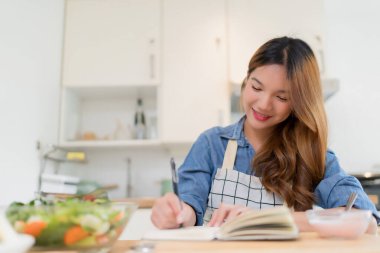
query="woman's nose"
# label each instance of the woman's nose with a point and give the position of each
(265, 103)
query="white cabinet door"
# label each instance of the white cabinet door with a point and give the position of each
(194, 87)
(111, 42)
(253, 22)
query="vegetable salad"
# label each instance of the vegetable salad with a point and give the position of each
(71, 223)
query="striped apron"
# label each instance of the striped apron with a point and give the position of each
(233, 187)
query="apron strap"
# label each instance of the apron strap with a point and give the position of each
(230, 155)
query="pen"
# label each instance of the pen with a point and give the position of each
(175, 183)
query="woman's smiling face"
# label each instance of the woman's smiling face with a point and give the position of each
(265, 97)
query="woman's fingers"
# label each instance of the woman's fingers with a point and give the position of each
(225, 212)
(165, 211)
(236, 212)
(218, 216)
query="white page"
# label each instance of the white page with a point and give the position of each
(198, 233)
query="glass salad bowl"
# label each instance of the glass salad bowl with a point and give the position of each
(72, 224)
(339, 223)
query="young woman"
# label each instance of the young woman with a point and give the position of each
(276, 154)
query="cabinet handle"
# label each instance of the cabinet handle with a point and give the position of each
(152, 66)
(152, 59)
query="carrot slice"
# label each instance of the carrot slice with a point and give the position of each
(74, 234)
(34, 228)
(118, 217)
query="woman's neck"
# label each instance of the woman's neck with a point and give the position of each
(256, 137)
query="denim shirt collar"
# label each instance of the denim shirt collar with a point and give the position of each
(235, 132)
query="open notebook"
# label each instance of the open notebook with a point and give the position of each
(267, 224)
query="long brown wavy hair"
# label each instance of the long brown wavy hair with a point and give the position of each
(292, 161)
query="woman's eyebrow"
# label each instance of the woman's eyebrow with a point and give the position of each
(254, 78)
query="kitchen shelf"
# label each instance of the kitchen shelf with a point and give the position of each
(111, 144)
(113, 91)
(172, 146)
(103, 111)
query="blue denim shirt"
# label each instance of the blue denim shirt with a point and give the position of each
(206, 156)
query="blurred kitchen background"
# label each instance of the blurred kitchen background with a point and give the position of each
(107, 91)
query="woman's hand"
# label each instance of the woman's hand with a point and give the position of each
(372, 227)
(224, 213)
(301, 221)
(167, 213)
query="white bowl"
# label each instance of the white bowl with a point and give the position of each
(339, 223)
(10, 241)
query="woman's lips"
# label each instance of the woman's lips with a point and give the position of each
(260, 117)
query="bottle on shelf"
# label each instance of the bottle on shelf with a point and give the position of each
(140, 126)
(152, 127)
(121, 132)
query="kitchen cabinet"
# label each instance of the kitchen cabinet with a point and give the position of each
(252, 22)
(194, 85)
(111, 57)
(192, 94)
(111, 42)
(183, 57)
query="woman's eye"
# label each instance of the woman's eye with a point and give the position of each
(255, 88)
(282, 98)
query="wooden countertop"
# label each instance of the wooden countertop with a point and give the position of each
(308, 242)
(143, 202)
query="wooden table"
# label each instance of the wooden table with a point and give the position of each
(143, 202)
(308, 242)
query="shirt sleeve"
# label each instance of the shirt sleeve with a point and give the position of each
(195, 177)
(336, 186)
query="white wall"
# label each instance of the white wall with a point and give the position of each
(31, 34)
(30, 59)
(352, 55)
(149, 166)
